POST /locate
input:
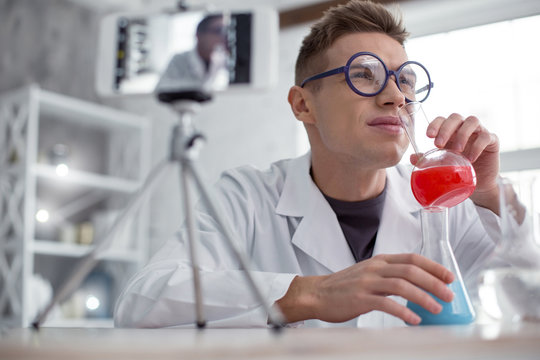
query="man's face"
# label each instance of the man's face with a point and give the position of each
(348, 127)
(211, 37)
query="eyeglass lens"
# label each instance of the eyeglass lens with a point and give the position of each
(367, 74)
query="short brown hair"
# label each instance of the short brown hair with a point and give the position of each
(355, 16)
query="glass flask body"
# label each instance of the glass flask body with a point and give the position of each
(436, 246)
(442, 178)
(509, 286)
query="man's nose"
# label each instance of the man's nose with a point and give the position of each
(391, 94)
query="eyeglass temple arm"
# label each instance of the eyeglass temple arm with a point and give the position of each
(427, 87)
(324, 74)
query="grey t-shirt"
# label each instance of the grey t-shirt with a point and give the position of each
(359, 221)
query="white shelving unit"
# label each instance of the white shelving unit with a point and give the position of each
(86, 179)
(108, 159)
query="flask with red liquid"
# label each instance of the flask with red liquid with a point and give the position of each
(440, 179)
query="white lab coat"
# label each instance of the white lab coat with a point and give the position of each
(187, 71)
(287, 228)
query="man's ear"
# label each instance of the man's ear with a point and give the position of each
(300, 101)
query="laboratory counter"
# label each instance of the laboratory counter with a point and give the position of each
(492, 341)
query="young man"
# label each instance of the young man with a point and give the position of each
(332, 234)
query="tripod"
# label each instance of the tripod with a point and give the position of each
(185, 145)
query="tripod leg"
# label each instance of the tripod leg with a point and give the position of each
(87, 263)
(275, 317)
(192, 234)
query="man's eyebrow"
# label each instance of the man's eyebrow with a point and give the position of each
(407, 71)
(356, 66)
(363, 64)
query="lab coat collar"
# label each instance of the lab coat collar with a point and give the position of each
(399, 229)
(319, 234)
(299, 188)
(399, 189)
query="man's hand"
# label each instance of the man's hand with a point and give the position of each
(366, 286)
(474, 141)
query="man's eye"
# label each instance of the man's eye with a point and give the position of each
(408, 82)
(362, 74)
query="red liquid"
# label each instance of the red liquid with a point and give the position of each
(443, 186)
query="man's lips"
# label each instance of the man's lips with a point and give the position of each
(385, 120)
(387, 123)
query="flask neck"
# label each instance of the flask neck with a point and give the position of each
(435, 238)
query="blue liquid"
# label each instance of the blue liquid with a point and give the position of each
(458, 311)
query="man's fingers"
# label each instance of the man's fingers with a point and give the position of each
(443, 129)
(391, 307)
(469, 126)
(434, 126)
(428, 265)
(481, 142)
(466, 135)
(418, 278)
(414, 277)
(408, 291)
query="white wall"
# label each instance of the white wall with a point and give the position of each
(424, 17)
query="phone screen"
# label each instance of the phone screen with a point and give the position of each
(182, 51)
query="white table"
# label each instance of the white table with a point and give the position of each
(493, 341)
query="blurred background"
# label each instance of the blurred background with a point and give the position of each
(70, 157)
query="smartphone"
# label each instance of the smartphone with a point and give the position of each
(142, 53)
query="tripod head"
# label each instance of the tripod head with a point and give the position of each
(171, 97)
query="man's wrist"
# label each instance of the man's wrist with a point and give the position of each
(299, 302)
(488, 199)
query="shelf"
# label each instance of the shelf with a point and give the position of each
(520, 160)
(86, 179)
(89, 114)
(55, 248)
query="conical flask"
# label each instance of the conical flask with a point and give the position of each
(436, 246)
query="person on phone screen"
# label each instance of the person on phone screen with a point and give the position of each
(204, 66)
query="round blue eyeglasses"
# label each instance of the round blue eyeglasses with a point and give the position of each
(367, 75)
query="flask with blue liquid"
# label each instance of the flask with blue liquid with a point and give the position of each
(436, 246)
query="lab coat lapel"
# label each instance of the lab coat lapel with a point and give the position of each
(318, 234)
(399, 229)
